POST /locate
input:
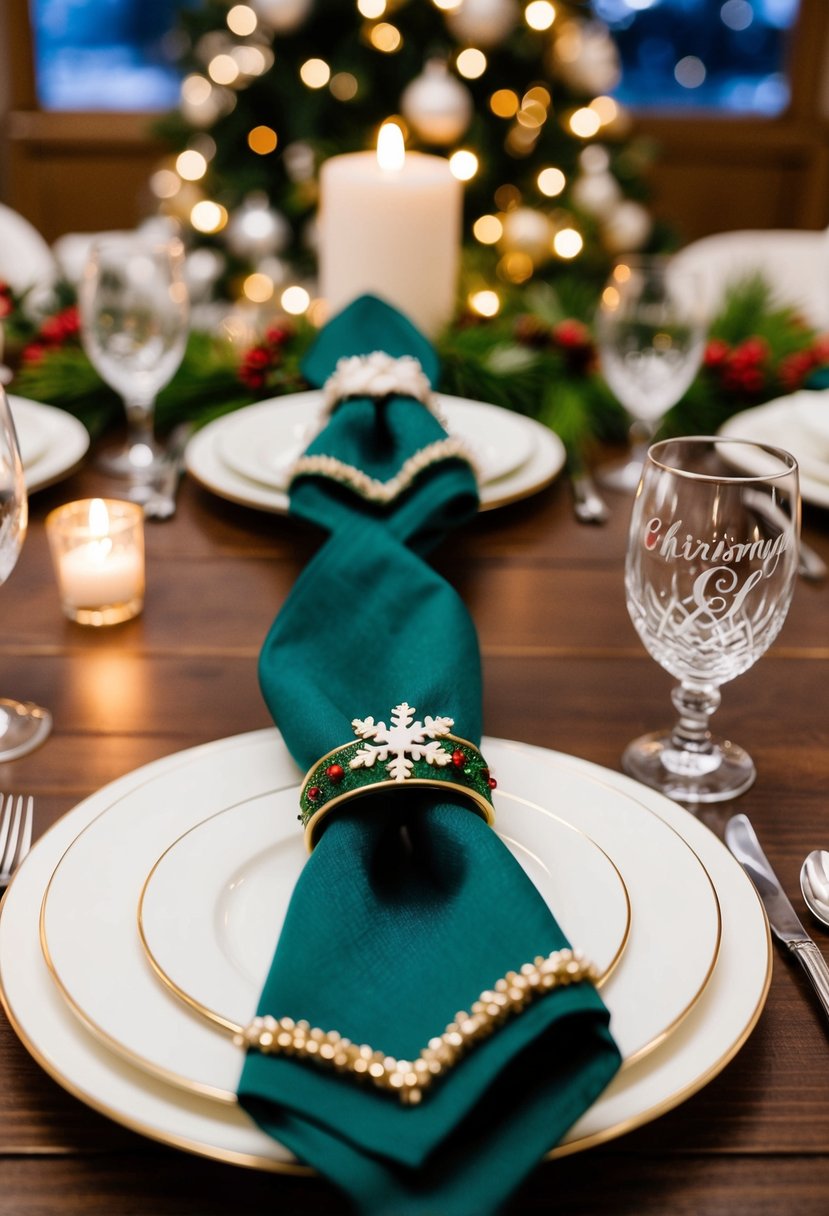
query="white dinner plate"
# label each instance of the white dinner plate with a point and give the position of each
(208, 910)
(52, 442)
(779, 423)
(262, 442)
(206, 461)
(670, 964)
(711, 1034)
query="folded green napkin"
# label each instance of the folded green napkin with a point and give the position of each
(410, 907)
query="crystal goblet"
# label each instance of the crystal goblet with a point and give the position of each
(134, 322)
(710, 572)
(23, 725)
(650, 330)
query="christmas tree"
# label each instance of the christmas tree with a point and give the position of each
(517, 97)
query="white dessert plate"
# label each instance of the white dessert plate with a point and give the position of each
(712, 1032)
(262, 442)
(779, 422)
(206, 461)
(209, 906)
(52, 442)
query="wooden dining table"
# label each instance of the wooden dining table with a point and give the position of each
(563, 669)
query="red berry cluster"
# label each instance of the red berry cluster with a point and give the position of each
(58, 330)
(570, 337)
(749, 370)
(6, 300)
(264, 357)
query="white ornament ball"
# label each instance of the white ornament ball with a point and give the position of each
(627, 227)
(202, 269)
(437, 106)
(282, 15)
(483, 23)
(587, 59)
(596, 193)
(526, 231)
(255, 230)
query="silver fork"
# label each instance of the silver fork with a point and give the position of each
(15, 833)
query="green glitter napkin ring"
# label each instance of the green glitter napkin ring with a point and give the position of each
(407, 753)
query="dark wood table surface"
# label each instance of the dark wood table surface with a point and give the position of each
(563, 669)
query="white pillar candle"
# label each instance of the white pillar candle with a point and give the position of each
(97, 549)
(390, 224)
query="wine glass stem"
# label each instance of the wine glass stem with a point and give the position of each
(695, 707)
(139, 411)
(640, 434)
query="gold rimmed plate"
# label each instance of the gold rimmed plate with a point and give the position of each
(101, 972)
(210, 909)
(711, 1033)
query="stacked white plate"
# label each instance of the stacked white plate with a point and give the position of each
(800, 424)
(157, 903)
(246, 456)
(52, 442)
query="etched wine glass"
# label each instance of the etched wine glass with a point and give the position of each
(134, 322)
(650, 331)
(710, 572)
(23, 725)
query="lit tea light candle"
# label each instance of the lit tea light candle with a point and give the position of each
(390, 224)
(97, 548)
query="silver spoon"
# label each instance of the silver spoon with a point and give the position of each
(814, 883)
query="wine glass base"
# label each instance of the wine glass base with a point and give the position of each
(23, 727)
(623, 477)
(723, 772)
(138, 463)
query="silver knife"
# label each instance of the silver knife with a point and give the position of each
(785, 924)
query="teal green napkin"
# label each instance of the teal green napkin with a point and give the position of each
(410, 906)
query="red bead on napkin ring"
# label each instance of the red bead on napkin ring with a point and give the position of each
(411, 753)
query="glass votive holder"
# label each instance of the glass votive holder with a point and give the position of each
(97, 548)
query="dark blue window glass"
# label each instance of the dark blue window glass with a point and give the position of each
(104, 54)
(726, 55)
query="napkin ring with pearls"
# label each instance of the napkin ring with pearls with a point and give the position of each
(377, 375)
(406, 753)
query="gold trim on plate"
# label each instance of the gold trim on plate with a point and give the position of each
(253, 1160)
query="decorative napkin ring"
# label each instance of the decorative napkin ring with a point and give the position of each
(377, 375)
(410, 1079)
(411, 753)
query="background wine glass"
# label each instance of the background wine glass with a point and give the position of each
(710, 572)
(23, 725)
(134, 322)
(650, 331)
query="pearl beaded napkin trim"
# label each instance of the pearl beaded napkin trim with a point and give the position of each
(409, 1079)
(371, 488)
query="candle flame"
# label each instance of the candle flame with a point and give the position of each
(391, 152)
(98, 518)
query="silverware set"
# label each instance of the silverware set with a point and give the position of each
(16, 817)
(784, 921)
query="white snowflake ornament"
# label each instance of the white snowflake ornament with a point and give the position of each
(405, 741)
